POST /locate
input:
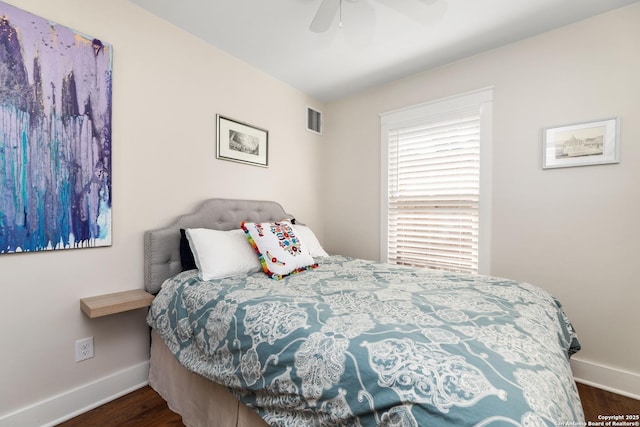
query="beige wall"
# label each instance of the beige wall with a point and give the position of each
(167, 88)
(572, 231)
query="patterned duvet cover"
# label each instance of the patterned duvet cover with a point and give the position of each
(361, 343)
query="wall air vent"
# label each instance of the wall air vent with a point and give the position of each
(314, 121)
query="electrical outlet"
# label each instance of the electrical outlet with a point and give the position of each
(84, 349)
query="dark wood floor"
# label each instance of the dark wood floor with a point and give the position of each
(145, 408)
(599, 402)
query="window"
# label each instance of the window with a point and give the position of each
(436, 183)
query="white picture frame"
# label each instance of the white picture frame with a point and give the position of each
(581, 144)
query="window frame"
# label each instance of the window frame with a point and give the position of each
(480, 100)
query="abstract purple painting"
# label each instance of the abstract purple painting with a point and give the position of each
(55, 136)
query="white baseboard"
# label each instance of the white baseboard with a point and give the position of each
(71, 403)
(606, 378)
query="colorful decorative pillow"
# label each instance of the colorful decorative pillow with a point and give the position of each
(280, 251)
(305, 234)
(221, 254)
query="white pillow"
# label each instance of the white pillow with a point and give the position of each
(280, 250)
(221, 254)
(310, 240)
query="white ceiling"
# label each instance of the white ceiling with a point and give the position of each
(380, 40)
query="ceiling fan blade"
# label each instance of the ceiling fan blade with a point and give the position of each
(324, 16)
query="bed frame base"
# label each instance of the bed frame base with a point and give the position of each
(199, 402)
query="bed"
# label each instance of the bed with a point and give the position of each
(346, 342)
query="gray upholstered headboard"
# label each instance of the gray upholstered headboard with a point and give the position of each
(162, 246)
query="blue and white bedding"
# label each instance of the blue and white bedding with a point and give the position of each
(361, 343)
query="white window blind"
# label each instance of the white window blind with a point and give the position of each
(433, 190)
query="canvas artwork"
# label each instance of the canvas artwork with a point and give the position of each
(55, 136)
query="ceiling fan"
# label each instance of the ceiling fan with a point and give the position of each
(325, 15)
(330, 8)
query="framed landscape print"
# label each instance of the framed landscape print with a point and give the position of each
(241, 142)
(581, 144)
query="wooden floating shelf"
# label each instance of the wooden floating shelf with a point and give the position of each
(118, 302)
